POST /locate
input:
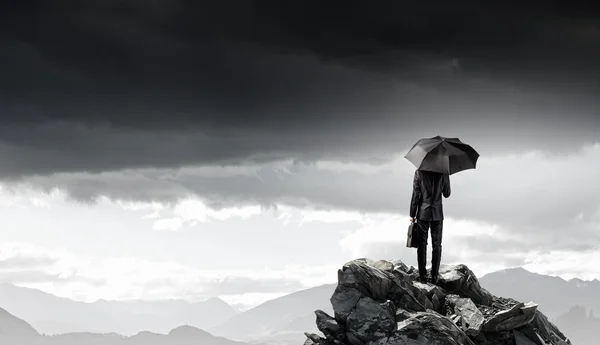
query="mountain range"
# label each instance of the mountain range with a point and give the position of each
(15, 331)
(581, 324)
(554, 295)
(281, 321)
(55, 315)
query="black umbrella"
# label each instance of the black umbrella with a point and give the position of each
(442, 155)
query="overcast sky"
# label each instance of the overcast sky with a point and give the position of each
(165, 149)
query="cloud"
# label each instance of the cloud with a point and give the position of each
(24, 258)
(117, 92)
(566, 264)
(537, 192)
(189, 212)
(125, 278)
(483, 247)
(168, 224)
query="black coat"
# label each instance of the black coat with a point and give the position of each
(428, 188)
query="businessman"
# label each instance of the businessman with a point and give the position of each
(426, 207)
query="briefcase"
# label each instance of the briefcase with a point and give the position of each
(412, 240)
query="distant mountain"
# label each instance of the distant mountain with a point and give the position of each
(580, 325)
(54, 315)
(282, 318)
(13, 327)
(239, 307)
(282, 321)
(14, 331)
(554, 295)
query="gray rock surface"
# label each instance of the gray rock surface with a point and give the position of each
(517, 316)
(380, 303)
(461, 281)
(328, 326)
(371, 320)
(468, 312)
(521, 339)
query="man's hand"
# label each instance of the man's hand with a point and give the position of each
(412, 219)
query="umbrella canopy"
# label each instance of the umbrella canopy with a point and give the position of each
(442, 155)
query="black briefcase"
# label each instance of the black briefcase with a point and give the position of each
(412, 240)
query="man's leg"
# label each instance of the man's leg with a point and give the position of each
(436, 243)
(423, 227)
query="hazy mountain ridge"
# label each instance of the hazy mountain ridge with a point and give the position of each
(283, 316)
(15, 331)
(50, 314)
(581, 324)
(285, 319)
(554, 294)
(12, 326)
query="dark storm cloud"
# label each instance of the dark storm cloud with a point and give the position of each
(107, 85)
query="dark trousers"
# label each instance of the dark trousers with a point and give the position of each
(436, 239)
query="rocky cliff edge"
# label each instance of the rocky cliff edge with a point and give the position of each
(382, 303)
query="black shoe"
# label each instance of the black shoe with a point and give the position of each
(434, 279)
(422, 279)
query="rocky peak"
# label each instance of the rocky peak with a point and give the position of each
(381, 303)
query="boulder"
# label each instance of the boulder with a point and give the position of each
(405, 284)
(367, 277)
(428, 328)
(328, 326)
(343, 300)
(313, 339)
(521, 339)
(461, 281)
(531, 334)
(371, 320)
(380, 303)
(468, 312)
(376, 280)
(402, 315)
(434, 293)
(519, 315)
(546, 329)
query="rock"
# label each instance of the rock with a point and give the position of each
(343, 300)
(434, 293)
(329, 326)
(461, 281)
(532, 335)
(402, 315)
(521, 339)
(399, 265)
(369, 279)
(519, 315)
(371, 320)
(428, 328)
(366, 278)
(383, 265)
(309, 342)
(430, 289)
(409, 295)
(547, 330)
(380, 303)
(313, 339)
(467, 310)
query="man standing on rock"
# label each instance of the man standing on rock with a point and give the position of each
(426, 207)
